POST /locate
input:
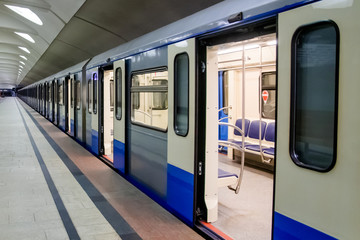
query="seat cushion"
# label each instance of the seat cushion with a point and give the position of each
(269, 151)
(223, 174)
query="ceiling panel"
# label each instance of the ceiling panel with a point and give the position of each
(100, 25)
(88, 37)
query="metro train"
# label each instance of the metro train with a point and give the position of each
(272, 83)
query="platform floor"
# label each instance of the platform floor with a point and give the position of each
(52, 188)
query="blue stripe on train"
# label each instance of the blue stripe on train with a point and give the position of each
(72, 127)
(287, 228)
(119, 155)
(94, 141)
(180, 192)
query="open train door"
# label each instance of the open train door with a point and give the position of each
(317, 169)
(119, 116)
(181, 128)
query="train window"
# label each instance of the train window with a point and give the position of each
(118, 93)
(55, 92)
(111, 94)
(149, 106)
(61, 94)
(268, 91)
(72, 92)
(89, 103)
(225, 92)
(314, 99)
(181, 94)
(94, 93)
(78, 94)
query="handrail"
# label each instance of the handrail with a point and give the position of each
(145, 113)
(230, 144)
(229, 117)
(233, 126)
(228, 107)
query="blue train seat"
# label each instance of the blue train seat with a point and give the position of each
(238, 124)
(254, 133)
(270, 137)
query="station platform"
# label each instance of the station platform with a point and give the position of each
(53, 188)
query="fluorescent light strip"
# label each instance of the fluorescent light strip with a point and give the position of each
(23, 57)
(24, 49)
(272, 42)
(26, 36)
(22, 62)
(26, 13)
(21, 66)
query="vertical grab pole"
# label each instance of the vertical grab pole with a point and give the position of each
(260, 104)
(242, 122)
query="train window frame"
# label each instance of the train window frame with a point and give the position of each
(72, 92)
(61, 94)
(95, 87)
(178, 97)
(118, 93)
(268, 88)
(295, 93)
(136, 90)
(78, 94)
(89, 95)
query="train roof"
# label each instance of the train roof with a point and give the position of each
(208, 20)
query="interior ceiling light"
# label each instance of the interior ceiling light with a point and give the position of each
(272, 42)
(23, 57)
(24, 49)
(26, 13)
(21, 66)
(22, 62)
(26, 36)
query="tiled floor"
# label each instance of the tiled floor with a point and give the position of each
(100, 203)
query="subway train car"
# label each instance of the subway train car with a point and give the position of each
(241, 119)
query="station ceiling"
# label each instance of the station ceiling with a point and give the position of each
(75, 30)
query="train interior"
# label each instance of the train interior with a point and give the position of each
(240, 152)
(108, 114)
(150, 108)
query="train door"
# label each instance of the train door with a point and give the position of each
(55, 102)
(147, 121)
(317, 191)
(66, 87)
(52, 101)
(119, 116)
(238, 198)
(106, 121)
(77, 107)
(89, 112)
(71, 94)
(48, 99)
(92, 120)
(181, 128)
(60, 103)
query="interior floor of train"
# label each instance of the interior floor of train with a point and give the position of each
(52, 188)
(248, 214)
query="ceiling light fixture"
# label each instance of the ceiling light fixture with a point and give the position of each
(21, 66)
(22, 62)
(272, 42)
(26, 36)
(26, 13)
(23, 57)
(24, 49)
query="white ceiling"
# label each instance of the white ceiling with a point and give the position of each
(54, 14)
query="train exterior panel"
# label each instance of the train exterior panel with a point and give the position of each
(279, 83)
